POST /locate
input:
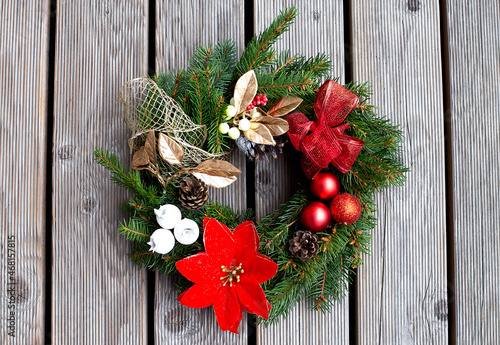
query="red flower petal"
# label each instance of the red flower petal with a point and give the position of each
(234, 328)
(252, 297)
(219, 242)
(198, 296)
(247, 240)
(228, 309)
(260, 267)
(199, 268)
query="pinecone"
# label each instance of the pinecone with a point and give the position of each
(193, 194)
(258, 151)
(304, 245)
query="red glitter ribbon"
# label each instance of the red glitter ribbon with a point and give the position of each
(327, 143)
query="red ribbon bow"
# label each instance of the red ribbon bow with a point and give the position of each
(327, 143)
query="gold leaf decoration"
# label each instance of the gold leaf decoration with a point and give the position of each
(215, 181)
(245, 91)
(259, 134)
(170, 150)
(216, 173)
(216, 167)
(150, 147)
(261, 112)
(140, 161)
(275, 125)
(284, 105)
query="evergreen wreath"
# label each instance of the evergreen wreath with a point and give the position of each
(182, 125)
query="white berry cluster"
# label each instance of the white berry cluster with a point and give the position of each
(169, 217)
(237, 123)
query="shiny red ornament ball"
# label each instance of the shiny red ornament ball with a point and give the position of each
(325, 186)
(315, 216)
(345, 208)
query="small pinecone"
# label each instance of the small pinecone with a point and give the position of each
(258, 151)
(193, 194)
(304, 245)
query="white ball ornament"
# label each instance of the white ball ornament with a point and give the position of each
(230, 112)
(186, 231)
(255, 114)
(162, 241)
(244, 125)
(231, 101)
(224, 128)
(234, 133)
(168, 216)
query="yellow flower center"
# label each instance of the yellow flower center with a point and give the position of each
(233, 274)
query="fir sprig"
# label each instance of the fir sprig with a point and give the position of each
(259, 53)
(130, 180)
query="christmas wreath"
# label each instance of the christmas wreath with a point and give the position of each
(183, 123)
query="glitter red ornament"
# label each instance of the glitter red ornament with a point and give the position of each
(325, 186)
(315, 216)
(345, 208)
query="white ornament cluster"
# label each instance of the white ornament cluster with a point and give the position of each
(186, 231)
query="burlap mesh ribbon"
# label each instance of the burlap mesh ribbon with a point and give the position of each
(148, 108)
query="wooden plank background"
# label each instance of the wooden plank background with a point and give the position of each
(474, 120)
(401, 292)
(318, 28)
(99, 295)
(206, 22)
(24, 40)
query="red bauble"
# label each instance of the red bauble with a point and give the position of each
(325, 186)
(345, 208)
(315, 216)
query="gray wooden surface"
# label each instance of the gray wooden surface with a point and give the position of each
(98, 295)
(474, 120)
(23, 165)
(401, 291)
(83, 289)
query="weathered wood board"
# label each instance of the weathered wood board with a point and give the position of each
(24, 40)
(474, 72)
(99, 295)
(181, 26)
(319, 28)
(401, 291)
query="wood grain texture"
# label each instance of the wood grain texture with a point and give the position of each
(99, 295)
(474, 71)
(401, 291)
(319, 28)
(181, 26)
(23, 135)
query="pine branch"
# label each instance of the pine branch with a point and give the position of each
(259, 53)
(135, 230)
(128, 180)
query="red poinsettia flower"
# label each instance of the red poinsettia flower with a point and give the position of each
(228, 275)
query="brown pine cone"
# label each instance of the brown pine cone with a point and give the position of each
(193, 194)
(304, 245)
